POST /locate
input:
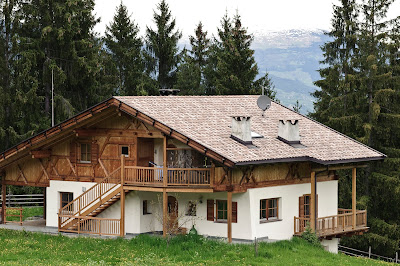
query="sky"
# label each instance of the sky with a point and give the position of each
(257, 15)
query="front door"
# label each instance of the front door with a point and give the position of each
(172, 214)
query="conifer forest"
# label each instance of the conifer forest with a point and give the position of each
(52, 43)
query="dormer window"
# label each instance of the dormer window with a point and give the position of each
(124, 151)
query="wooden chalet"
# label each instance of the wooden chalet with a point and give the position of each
(234, 170)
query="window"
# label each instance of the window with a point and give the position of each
(86, 152)
(65, 198)
(269, 209)
(145, 208)
(124, 151)
(222, 211)
(191, 208)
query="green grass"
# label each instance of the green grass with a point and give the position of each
(20, 247)
(27, 212)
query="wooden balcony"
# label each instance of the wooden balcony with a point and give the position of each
(335, 225)
(175, 177)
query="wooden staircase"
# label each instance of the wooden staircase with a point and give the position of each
(80, 215)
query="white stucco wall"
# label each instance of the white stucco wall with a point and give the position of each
(53, 197)
(289, 207)
(331, 245)
(248, 226)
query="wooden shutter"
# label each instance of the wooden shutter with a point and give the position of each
(301, 206)
(94, 153)
(72, 152)
(234, 212)
(210, 210)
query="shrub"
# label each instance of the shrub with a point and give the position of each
(310, 236)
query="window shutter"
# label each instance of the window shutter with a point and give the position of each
(234, 212)
(301, 206)
(72, 152)
(210, 210)
(94, 153)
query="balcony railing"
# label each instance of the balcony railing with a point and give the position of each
(335, 224)
(153, 176)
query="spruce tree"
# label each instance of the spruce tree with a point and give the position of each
(162, 55)
(360, 96)
(232, 68)
(56, 38)
(124, 46)
(190, 75)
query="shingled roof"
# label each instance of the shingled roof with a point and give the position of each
(207, 120)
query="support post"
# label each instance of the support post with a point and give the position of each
(354, 198)
(313, 216)
(165, 171)
(165, 211)
(122, 222)
(229, 216)
(4, 198)
(212, 174)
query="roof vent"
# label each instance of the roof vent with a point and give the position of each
(241, 129)
(289, 131)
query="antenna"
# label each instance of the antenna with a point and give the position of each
(52, 97)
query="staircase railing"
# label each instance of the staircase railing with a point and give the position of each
(89, 198)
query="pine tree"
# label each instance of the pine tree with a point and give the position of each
(125, 46)
(162, 47)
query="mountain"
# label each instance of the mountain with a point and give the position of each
(292, 59)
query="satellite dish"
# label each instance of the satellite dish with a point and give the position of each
(264, 102)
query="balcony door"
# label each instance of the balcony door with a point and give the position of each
(305, 209)
(145, 151)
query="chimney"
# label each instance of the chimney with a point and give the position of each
(168, 92)
(241, 129)
(289, 132)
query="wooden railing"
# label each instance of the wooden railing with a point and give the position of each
(89, 198)
(93, 225)
(334, 224)
(176, 176)
(15, 212)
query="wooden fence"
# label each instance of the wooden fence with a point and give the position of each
(24, 200)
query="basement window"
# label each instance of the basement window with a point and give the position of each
(145, 208)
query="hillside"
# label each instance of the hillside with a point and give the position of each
(292, 59)
(21, 247)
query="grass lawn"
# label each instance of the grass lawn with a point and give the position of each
(20, 247)
(27, 212)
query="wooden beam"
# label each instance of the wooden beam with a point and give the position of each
(22, 174)
(44, 169)
(171, 189)
(40, 154)
(313, 202)
(72, 167)
(338, 167)
(165, 212)
(44, 203)
(102, 167)
(229, 217)
(165, 171)
(354, 197)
